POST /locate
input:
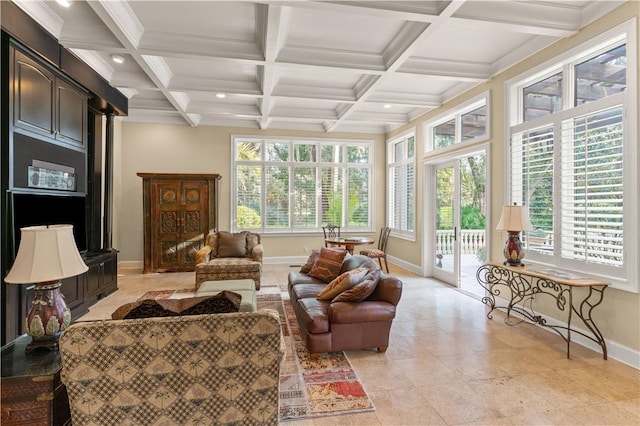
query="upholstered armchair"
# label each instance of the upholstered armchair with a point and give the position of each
(228, 256)
(180, 370)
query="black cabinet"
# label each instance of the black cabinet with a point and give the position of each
(73, 290)
(46, 104)
(102, 274)
(99, 281)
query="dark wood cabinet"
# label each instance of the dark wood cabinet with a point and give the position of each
(102, 274)
(57, 110)
(179, 211)
(32, 393)
(73, 289)
(46, 104)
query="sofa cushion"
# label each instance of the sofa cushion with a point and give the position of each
(304, 291)
(223, 302)
(344, 282)
(232, 245)
(312, 315)
(328, 265)
(362, 290)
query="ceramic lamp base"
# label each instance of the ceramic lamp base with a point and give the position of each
(48, 317)
(513, 251)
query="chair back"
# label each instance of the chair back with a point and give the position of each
(331, 231)
(195, 369)
(384, 236)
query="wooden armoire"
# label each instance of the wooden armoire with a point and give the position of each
(179, 211)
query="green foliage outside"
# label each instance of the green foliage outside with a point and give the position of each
(248, 218)
(472, 218)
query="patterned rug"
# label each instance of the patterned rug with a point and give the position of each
(327, 386)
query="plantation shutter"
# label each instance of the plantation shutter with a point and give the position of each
(277, 197)
(592, 184)
(358, 197)
(304, 197)
(532, 174)
(248, 196)
(401, 184)
(402, 196)
(331, 195)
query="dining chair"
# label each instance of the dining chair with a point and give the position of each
(380, 252)
(330, 231)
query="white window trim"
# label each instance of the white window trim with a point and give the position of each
(457, 113)
(513, 122)
(407, 235)
(295, 139)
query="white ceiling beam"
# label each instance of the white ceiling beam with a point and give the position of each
(272, 24)
(403, 50)
(126, 27)
(537, 20)
(42, 13)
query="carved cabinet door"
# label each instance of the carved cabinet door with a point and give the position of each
(179, 211)
(181, 220)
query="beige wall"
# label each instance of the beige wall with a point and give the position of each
(171, 148)
(157, 148)
(619, 315)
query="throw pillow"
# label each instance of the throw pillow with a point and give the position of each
(342, 283)
(310, 261)
(221, 303)
(362, 290)
(232, 245)
(328, 265)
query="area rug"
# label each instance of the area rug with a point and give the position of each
(327, 386)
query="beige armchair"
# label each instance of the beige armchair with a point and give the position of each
(228, 256)
(211, 369)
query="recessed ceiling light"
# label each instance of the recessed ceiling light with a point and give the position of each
(221, 95)
(118, 59)
(387, 106)
(64, 3)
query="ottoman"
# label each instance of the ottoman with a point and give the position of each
(245, 288)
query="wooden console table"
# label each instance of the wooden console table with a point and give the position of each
(519, 285)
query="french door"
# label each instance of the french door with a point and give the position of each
(458, 202)
(446, 262)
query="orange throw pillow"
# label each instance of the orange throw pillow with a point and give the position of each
(342, 283)
(328, 265)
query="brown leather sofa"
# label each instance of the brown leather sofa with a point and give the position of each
(328, 326)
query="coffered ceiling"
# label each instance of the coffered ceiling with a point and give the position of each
(332, 66)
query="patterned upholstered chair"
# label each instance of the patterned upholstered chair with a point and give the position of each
(179, 370)
(228, 256)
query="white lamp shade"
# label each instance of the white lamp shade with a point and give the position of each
(46, 253)
(514, 218)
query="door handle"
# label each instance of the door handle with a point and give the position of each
(455, 233)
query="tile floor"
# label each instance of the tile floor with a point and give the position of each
(447, 364)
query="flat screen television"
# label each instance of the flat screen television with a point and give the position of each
(36, 209)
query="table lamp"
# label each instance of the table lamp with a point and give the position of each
(513, 220)
(46, 255)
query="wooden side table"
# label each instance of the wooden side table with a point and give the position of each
(31, 391)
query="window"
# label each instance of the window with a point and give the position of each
(573, 159)
(298, 185)
(401, 178)
(468, 123)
